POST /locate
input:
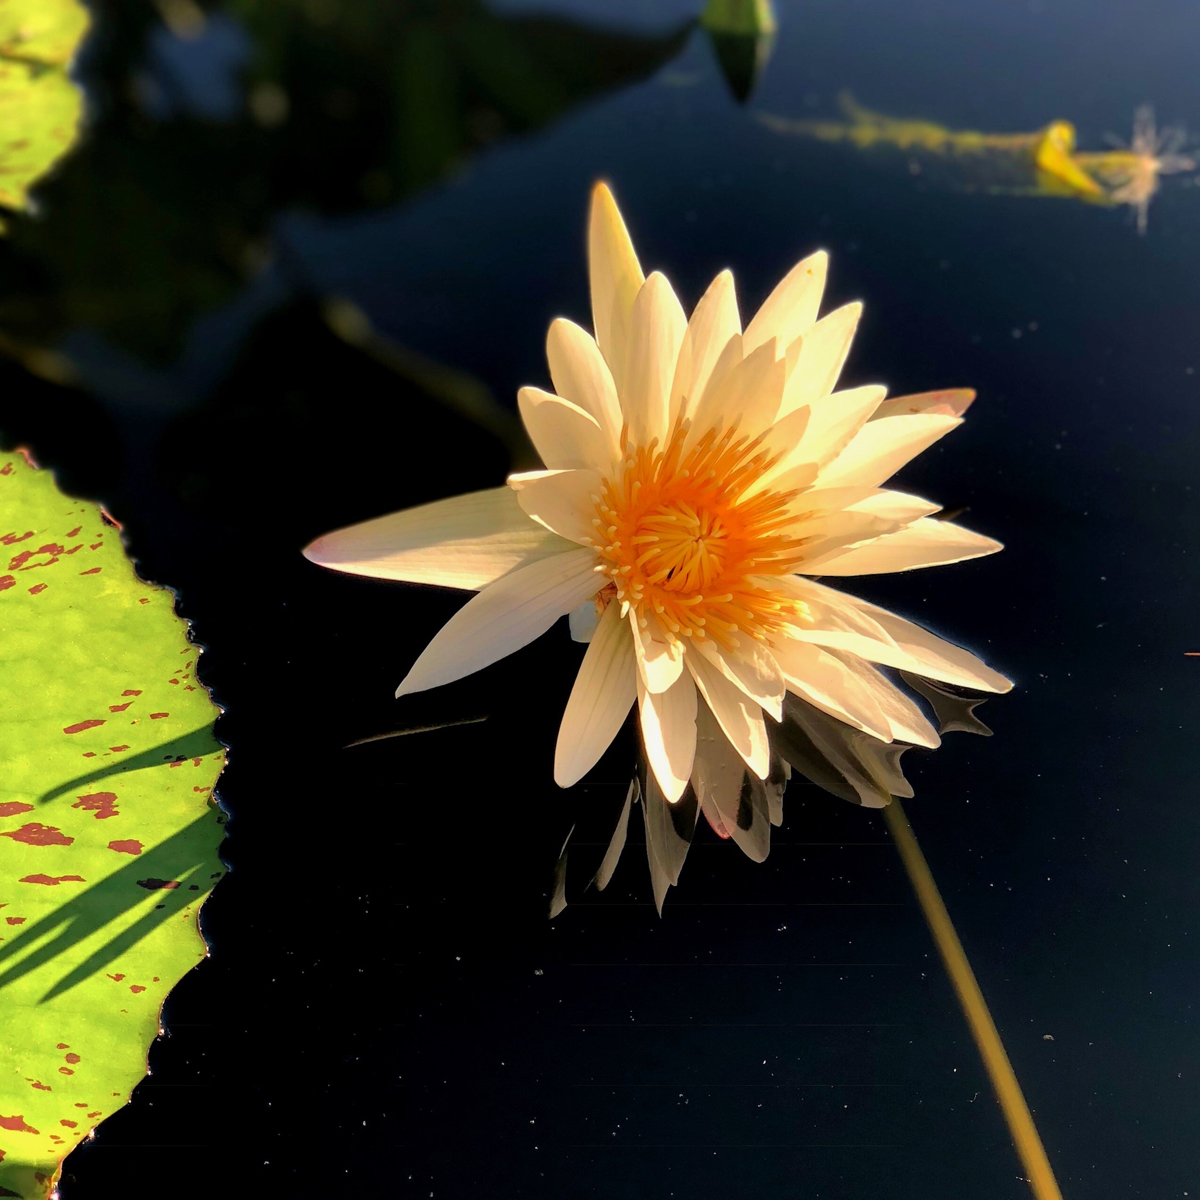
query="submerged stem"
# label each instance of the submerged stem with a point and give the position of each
(1039, 1174)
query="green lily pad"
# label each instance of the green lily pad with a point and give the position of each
(40, 107)
(108, 827)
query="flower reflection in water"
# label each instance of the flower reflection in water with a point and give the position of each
(697, 475)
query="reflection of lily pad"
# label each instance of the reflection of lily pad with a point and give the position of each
(39, 106)
(108, 831)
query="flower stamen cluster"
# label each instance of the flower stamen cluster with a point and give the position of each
(686, 532)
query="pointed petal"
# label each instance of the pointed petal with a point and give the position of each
(739, 717)
(926, 653)
(727, 360)
(714, 321)
(604, 692)
(881, 448)
(615, 277)
(564, 435)
(561, 501)
(504, 617)
(750, 667)
(823, 679)
(582, 376)
(952, 402)
(464, 542)
(823, 351)
(895, 506)
(837, 422)
(658, 326)
(905, 720)
(825, 429)
(790, 310)
(659, 660)
(669, 733)
(924, 543)
(750, 392)
(843, 622)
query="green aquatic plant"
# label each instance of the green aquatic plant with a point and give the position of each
(742, 33)
(1044, 162)
(40, 106)
(108, 827)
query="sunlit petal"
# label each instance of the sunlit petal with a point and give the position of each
(615, 276)
(464, 542)
(791, 309)
(563, 434)
(562, 501)
(740, 718)
(713, 323)
(504, 617)
(657, 333)
(603, 694)
(924, 543)
(668, 722)
(582, 376)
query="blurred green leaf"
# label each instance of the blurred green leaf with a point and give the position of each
(39, 105)
(108, 830)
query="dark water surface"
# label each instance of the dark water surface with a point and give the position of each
(386, 1010)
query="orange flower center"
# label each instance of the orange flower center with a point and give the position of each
(684, 534)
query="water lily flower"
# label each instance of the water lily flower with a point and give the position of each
(697, 475)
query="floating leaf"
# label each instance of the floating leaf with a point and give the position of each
(108, 829)
(39, 105)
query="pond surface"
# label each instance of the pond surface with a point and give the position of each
(387, 1009)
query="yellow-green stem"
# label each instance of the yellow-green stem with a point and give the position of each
(1008, 1091)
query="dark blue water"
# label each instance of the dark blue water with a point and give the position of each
(387, 1009)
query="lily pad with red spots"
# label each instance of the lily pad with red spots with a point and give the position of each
(40, 105)
(108, 826)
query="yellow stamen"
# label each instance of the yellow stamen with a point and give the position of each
(679, 537)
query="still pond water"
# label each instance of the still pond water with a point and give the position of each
(387, 1009)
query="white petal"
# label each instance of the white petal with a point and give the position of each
(729, 358)
(905, 720)
(924, 653)
(615, 279)
(822, 678)
(740, 718)
(750, 667)
(749, 392)
(894, 506)
(791, 308)
(881, 448)
(924, 543)
(835, 533)
(714, 321)
(561, 500)
(658, 326)
(604, 692)
(582, 376)
(504, 617)
(952, 402)
(669, 733)
(564, 435)
(464, 542)
(827, 428)
(659, 661)
(823, 351)
(582, 622)
(836, 422)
